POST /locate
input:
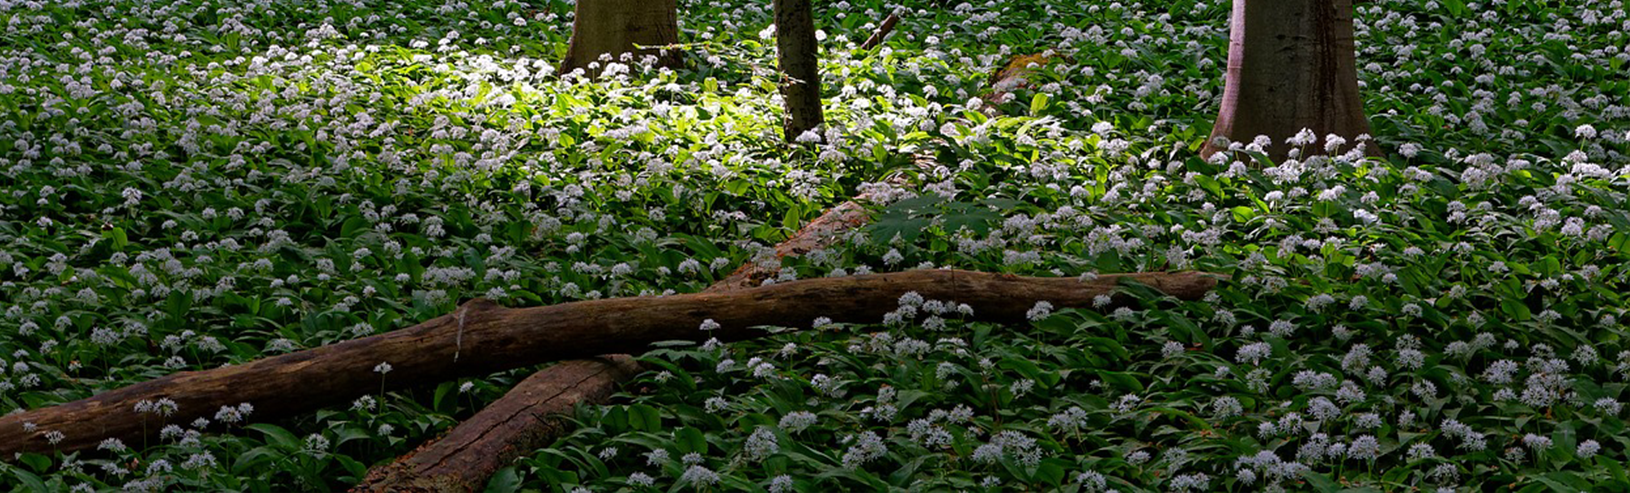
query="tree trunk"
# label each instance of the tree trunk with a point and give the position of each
(800, 74)
(1291, 65)
(526, 418)
(614, 26)
(481, 337)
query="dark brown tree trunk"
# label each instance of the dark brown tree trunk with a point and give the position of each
(481, 337)
(1291, 65)
(614, 27)
(800, 73)
(526, 418)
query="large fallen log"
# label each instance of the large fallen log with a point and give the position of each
(482, 337)
(465, 458)
(526, 418)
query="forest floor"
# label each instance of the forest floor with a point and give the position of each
(186, 184)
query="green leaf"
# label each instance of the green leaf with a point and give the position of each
(119, 237)
(691, 440)
(1621, 242)
(30, 480)
(645, 418)
(1516, 309)
(1320, 482)
(979, 220)
(1038, 103)
(506, 480)
(278, 436)
(884, 231)
(38, 462)
(1209, 184)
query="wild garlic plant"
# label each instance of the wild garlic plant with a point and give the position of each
(194, 183)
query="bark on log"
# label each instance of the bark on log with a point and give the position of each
(797, 52)
(482, 337)
(882, 32)
(526, 418)
(1291, 65)
(465, 458)
(614, 27)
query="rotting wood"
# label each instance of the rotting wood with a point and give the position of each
(466, 458)
(495, 338)
(525, 418)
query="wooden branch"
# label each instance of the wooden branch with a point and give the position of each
(818, 234)
(882, 32)
(526, 418)
(466, 457)
(497, 435)
(482, 337)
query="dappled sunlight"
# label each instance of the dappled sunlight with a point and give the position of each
(197, 184)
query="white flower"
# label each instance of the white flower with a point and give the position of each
(1585, 131)
(699, 476)
(1041, 310)
(1588, 449)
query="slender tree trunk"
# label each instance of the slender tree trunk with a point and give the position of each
(1291, 65)
(482, 337)
(800, 74)
(614, 26)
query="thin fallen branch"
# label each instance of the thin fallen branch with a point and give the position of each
(817, 234)
(526, 418)
(495, 338)
(882, 32)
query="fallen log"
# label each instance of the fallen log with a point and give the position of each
(482, 337)
(466, 457)
(526, 418)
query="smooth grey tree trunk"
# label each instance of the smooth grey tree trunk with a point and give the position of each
(1291, 65)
